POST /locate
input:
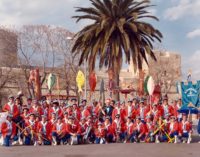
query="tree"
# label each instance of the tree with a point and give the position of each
(118, 31)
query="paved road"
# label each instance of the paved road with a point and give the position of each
(108, 150)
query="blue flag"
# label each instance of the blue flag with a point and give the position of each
(190, 94)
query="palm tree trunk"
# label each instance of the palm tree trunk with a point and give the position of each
(116, 90)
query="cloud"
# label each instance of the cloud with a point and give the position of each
(25, 12)
(182, 9)
(193, 64)
(194, 33)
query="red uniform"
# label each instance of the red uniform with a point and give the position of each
(130, 111)
(12, 109)
(142, 112)
(173, 127)
(130, 128)
(36, 109)
(72, 128)
(109, 129)
(118, 127)
(44, 129)
(57, 111)
(167, 110)
(85, 113)
(119, 111)
(59, 128)
(100, 132)
(140, 127)
(185, 127)
(8, 128)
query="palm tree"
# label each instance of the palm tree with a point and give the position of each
(118, 32)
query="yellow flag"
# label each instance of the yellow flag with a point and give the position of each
(80, 80)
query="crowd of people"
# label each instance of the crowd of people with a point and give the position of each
(69, 122)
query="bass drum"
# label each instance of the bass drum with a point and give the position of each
(74, 140)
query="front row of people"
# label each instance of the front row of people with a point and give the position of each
(57, 131)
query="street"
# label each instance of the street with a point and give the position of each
(108, 150)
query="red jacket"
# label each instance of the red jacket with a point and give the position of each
(173, 127)
(37, 110)
(14, 112)
(132, 113)
(72, 128)
(185, 127)
(150, 127)
(109, 129)
(156, 114)
(118, 127)
(130, 128)
(46, 130)
(5, 129)
(100, 132)
(170, 110)
(85, 113)
(59, 128)
(121, 112)
(141, 128)
(31, 126)
(58, 112)
(143, 114)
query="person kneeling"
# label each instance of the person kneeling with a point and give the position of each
(185, 130)
(100, 134)
(59, 133)
(8, 130)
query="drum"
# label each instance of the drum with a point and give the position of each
(74, 140)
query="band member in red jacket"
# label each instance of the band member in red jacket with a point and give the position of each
(29, 131)
(166, 109)
(155, 112)
(8, 130)
(130, 110)
(139, 130)
(11, 107)
(118, 111)
(72, 129)
(100, 134)
(59, 134)
(56, 109)
(109, 130)
(44, 132)
(143, 110)
(185, 129)
(118, 129)
(173, 128)
(129, 130)
(85, 113)
(35, 108)
(150, 127)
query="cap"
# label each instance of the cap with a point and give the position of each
(25, 107)
(29, 98)
(35, 101)
(11, 96)
(141, 101)
(165, 98)
(44, 116)
(84, 100)
(73, 99)
(99, 123)
(56, 102)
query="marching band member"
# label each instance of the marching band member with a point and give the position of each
(76, 112)
(29, 131)
(129, 130)
(130, 110)
(8, 130)
(12, 108)
(56, 109)
(109, 130)
(118, 111)
(35, 108)
(118, 129)
(177, 106)
(44, 132)
(143, 110)
(173, 128)
(72, 128)
(84, 111)
(166, 109)
(155, 112)
(29, 102)
(59, 132)
(139, 130)
(108, 109)
(149, 129)
(82, 130)
(185, 129)
(100, 134)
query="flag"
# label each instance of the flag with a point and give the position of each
(190, 94)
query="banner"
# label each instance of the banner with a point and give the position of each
(190, 94)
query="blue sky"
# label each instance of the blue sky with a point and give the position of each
(179, 22)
